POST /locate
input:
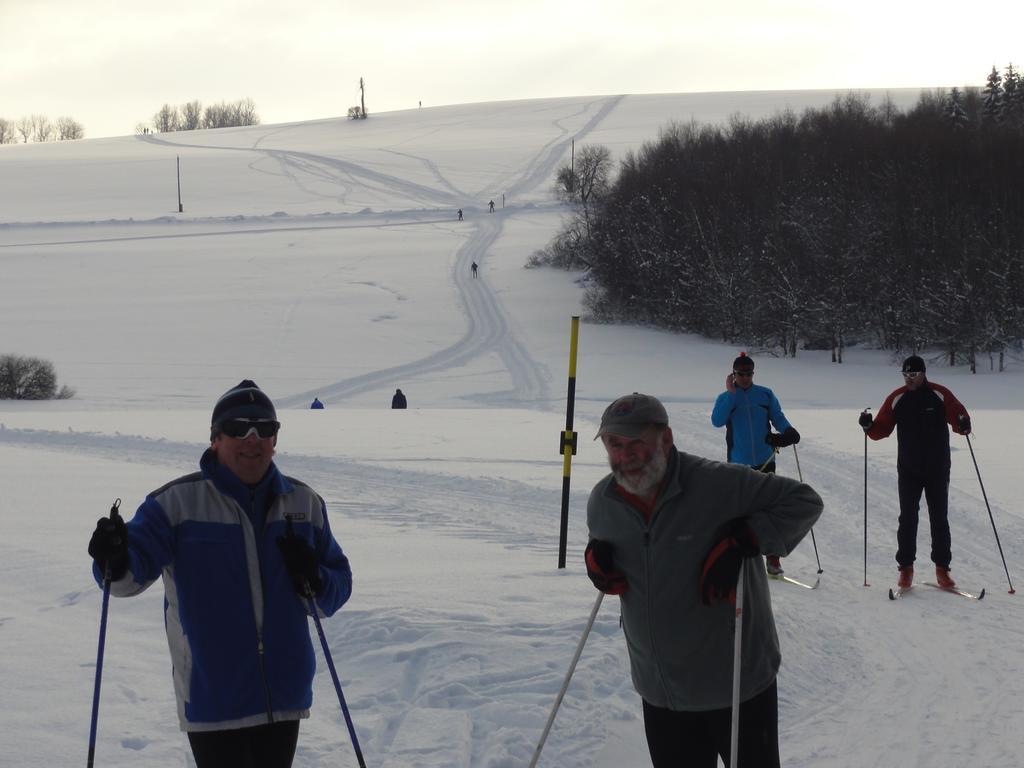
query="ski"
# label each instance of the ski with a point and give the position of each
(956, 591)
(895, 593)
(781, 577)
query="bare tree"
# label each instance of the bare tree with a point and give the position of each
(191, 115)
(7, 131)
(245, 112)
(42, 128)
(216, 116)
(69, 129)
(166, 119)
(24, 126)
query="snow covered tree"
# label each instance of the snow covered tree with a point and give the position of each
(1012, 108)
(954, 110)
(993, 96)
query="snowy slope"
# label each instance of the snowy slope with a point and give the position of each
(325, 259)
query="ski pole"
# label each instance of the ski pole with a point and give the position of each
(99, 651)
(315, 613)
(866, 505)
(565, 683)
(737, 658)
(801, 476)
(334, 675)
(990, 517)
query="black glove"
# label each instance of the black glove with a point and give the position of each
(866, 420)
(964, 422)
(301, 562)
(782, 439)
(601, 570)
(109, 546)
(722, 565)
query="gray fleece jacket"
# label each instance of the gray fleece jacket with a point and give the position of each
(680, 650)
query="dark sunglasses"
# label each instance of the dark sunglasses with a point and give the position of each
(742, 373)
(912, 374)
(242, 428)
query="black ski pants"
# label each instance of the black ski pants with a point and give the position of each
(935, 486)
(261, 746)
(696, 739)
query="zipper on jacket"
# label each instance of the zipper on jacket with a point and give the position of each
(650, 611)
(266, 685)
(247, 519)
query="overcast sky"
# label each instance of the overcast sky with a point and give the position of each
(111, 64)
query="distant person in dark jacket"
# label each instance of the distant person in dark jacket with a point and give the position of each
(748, 412)
(460, 214)
(490, 206)
(474, 269)
(316, 404)
(244, 553)
(398, 401)
(669, 532)
(919, 412)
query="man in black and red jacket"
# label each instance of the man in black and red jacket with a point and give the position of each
(920, 411)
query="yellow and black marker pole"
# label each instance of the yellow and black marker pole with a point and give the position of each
(567, 446)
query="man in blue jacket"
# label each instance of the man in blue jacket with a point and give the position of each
(244, 553)
(748, 412)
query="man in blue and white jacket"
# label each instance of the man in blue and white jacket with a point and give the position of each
(748, 412)
(241, 550)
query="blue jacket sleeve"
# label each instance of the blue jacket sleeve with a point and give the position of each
(778, 418)
(335, 571)
(724, 406)
(150, 548)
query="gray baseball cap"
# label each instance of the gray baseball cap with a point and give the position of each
(631, 414)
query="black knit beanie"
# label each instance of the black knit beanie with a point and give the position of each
(743, 363)
(243, 401)
(913, 364)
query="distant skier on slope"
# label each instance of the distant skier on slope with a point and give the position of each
(316, 405)
(919, 412)
(748, 412)
(235, 570)
(668, 534)
(474, 269)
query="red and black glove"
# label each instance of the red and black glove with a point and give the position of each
(722, 565)
(601, 570)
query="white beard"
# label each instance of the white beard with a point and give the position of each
(653, 473)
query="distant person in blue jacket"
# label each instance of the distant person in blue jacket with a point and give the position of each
(748, 412)
(243, 552)
(316, 405)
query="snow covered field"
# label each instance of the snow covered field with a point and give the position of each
(325, 259)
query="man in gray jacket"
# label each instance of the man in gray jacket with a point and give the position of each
(668, 533)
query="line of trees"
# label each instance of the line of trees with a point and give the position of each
(192, 116)
(39, 128)
(851, 223)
